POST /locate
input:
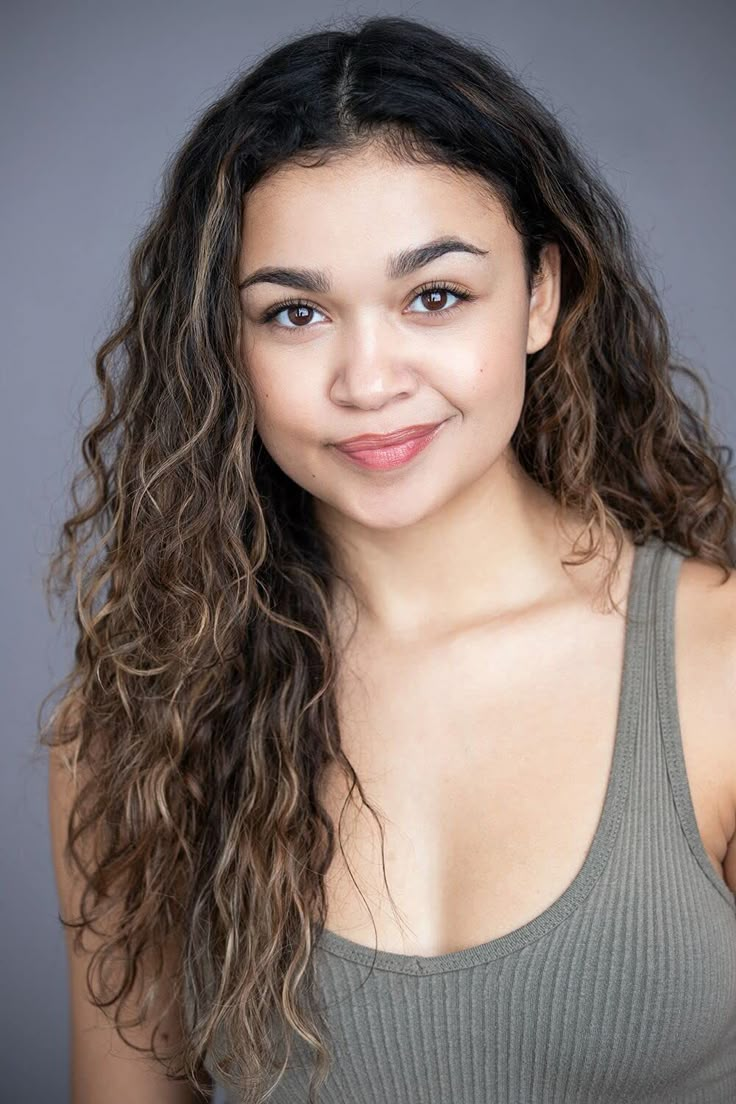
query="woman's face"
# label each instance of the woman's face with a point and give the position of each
(373, 353)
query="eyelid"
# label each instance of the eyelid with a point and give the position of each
(463, 295)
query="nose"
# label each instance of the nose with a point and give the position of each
(374, 367)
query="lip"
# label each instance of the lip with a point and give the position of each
(376, 441)
(394, 455)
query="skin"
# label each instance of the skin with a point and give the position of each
(372, 356)
(371, 359)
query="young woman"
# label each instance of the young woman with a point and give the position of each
(397, 760)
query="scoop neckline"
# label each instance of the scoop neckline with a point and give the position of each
(598, 852)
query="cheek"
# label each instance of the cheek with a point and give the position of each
(494, 375)
(286, 438)
(500, 397)
(490, 392)
(286, 418)
(280, 408)
(494, 354)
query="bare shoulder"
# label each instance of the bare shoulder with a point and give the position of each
(707, 602)
(706, 674)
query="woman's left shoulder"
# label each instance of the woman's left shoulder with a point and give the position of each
(705, 647)
(705, 626)
(707, 606)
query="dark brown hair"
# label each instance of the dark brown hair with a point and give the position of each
(200, 716)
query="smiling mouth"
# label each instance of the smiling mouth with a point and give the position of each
(369, 441)
(385, 457)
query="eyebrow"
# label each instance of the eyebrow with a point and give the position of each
(398, 265)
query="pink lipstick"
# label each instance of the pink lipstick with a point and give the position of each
(391, 456)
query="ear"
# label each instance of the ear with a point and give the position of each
(545, 299)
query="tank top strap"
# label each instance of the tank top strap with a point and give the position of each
(638, 701)
(660, 762)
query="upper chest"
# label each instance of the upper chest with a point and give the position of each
(487, 759)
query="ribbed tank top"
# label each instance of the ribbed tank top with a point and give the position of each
(622, 990)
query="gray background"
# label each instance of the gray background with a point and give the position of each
(94, 96)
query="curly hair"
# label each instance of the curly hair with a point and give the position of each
(200, 716)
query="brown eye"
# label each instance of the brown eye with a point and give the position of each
(299, 312)
(435, 296)
(294, 309)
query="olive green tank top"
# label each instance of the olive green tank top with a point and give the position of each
(622, 990)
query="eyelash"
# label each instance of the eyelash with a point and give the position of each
(464, 296)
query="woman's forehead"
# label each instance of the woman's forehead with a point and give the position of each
(309, 215)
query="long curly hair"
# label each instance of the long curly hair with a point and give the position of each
(200, 716)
